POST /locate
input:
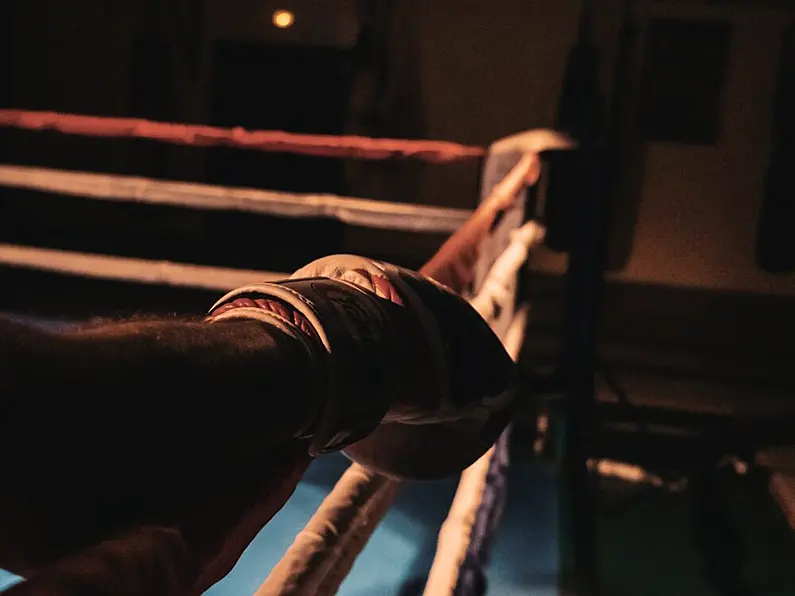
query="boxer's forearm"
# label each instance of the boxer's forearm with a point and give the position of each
(152, 379)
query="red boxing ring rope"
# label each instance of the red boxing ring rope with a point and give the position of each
(262, 140)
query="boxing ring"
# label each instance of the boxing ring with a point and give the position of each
(481, 259)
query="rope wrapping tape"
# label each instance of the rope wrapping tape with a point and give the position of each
(472, 571)
(497, 289)
(354, 211)
(460, 259)
(263, 140)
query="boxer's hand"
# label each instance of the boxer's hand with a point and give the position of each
(406, 363)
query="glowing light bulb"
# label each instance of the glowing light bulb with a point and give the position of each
(283, 19)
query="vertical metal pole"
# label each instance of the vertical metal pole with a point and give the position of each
(596, 163)
(584, 284)
(580, 203)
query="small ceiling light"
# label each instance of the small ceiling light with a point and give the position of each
(283, 19)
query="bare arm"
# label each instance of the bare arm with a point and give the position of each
(115, 425)
(151, 379)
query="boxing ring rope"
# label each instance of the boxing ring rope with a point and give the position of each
(334, 536)
(481, 491)
(477, 506)
(144, 271)
(263, 140)
(467, 535)
(485, 253)
(349, 210)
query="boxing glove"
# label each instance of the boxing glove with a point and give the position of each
(412, 382)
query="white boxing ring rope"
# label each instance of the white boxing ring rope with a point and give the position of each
(350, 210)
(325, 550)
(499, 282)
(454, 535)
(144, 271)
(362, 212)
(133, 189)
(456, 531)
